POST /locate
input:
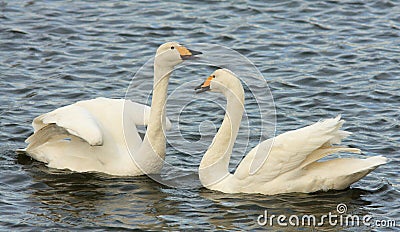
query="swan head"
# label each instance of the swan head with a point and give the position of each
(172, 53)
(222, 81)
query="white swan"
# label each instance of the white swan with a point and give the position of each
(286, 163)
(89, 135)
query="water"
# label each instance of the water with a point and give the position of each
(320, 59)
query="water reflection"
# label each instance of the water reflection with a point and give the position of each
(92, 197)
(318, 204)
(320, 59)
(102, 201)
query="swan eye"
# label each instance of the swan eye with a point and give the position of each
(172, 47)
(213, 76)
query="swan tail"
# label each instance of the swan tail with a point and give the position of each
(350, 170)
(339, 174)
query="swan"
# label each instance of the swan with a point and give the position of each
(89, 135)
(284, 164)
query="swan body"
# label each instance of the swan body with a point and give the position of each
(82, 137)
(289, 162)
(101, 134)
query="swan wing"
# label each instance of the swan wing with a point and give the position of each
(74, 119)
(290, 150)
(82, 118)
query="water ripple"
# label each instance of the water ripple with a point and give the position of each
(320, 59)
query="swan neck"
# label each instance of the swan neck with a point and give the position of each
(159, 98)
(214, 167)
(153, 145)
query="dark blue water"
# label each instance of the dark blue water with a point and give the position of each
(320, 59)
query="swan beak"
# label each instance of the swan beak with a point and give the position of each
(205, 86)
(187, 54)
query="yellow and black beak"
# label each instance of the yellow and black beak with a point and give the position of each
(187, 54)
(205, 86)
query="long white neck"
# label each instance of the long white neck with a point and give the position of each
(151, 153)
(214, 165)
(156, 127)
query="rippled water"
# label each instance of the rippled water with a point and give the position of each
(320, 59)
